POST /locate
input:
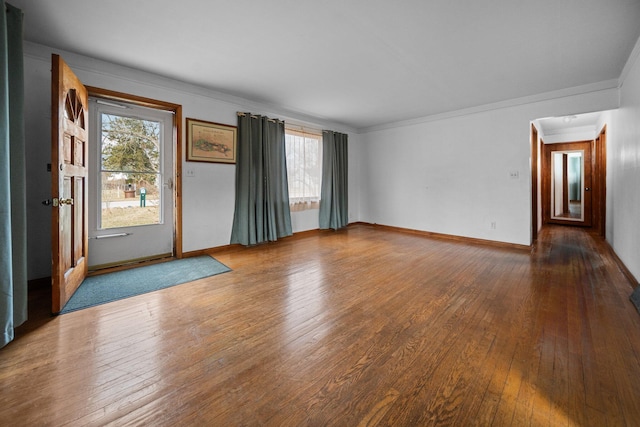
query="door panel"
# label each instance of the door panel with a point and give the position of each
(69, 136)
(79, 223)
(132, 193)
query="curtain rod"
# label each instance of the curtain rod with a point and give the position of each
(304, 129)
(241, 114)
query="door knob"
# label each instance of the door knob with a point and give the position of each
(587, 189)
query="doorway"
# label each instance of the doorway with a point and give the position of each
(552, 131)
(134, 209)
(71, 177)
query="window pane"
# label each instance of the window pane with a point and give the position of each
(130, 144)
(130, 190)
(304, 168)
(126, 204)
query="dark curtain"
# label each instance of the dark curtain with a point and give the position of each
(262, 195)
(334, 202)
(13, 228)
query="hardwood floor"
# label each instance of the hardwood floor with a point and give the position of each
(360, 327)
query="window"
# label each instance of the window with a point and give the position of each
(130, 166)
(304, 168)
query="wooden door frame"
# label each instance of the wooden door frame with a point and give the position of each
(545, 173)
(599, 182)
(176, 109)
(599, 204)
(534, 183)
(565, 182)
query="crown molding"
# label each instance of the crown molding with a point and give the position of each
(546, 96)
(631, 61)
(121, 72)
(145, 78)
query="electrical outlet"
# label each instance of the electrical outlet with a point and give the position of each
(493, 225)
(514, 174)
(190, 173)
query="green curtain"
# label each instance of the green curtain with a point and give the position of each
(13, 228)
(262, 195)
(334, 202)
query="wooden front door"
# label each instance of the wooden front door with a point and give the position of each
(558, 198)
(69, 154)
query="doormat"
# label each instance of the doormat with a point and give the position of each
(101, 289)
(635, 298)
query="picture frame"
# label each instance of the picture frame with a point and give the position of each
(211, 142)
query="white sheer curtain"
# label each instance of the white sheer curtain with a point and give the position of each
(304, 168)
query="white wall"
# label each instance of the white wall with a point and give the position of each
(447, 174)
(623, 171)
(452, 175)
(208, 197)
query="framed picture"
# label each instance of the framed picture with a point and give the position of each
(211, 142)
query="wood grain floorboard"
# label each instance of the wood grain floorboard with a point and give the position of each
(362, 327)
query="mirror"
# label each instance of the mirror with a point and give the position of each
(567, 191)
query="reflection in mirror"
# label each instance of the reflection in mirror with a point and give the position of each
(567, 175)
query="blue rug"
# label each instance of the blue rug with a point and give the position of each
(635, 298)
(96, 290)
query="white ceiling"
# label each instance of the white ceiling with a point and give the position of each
(581, 123)
(358, 62)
